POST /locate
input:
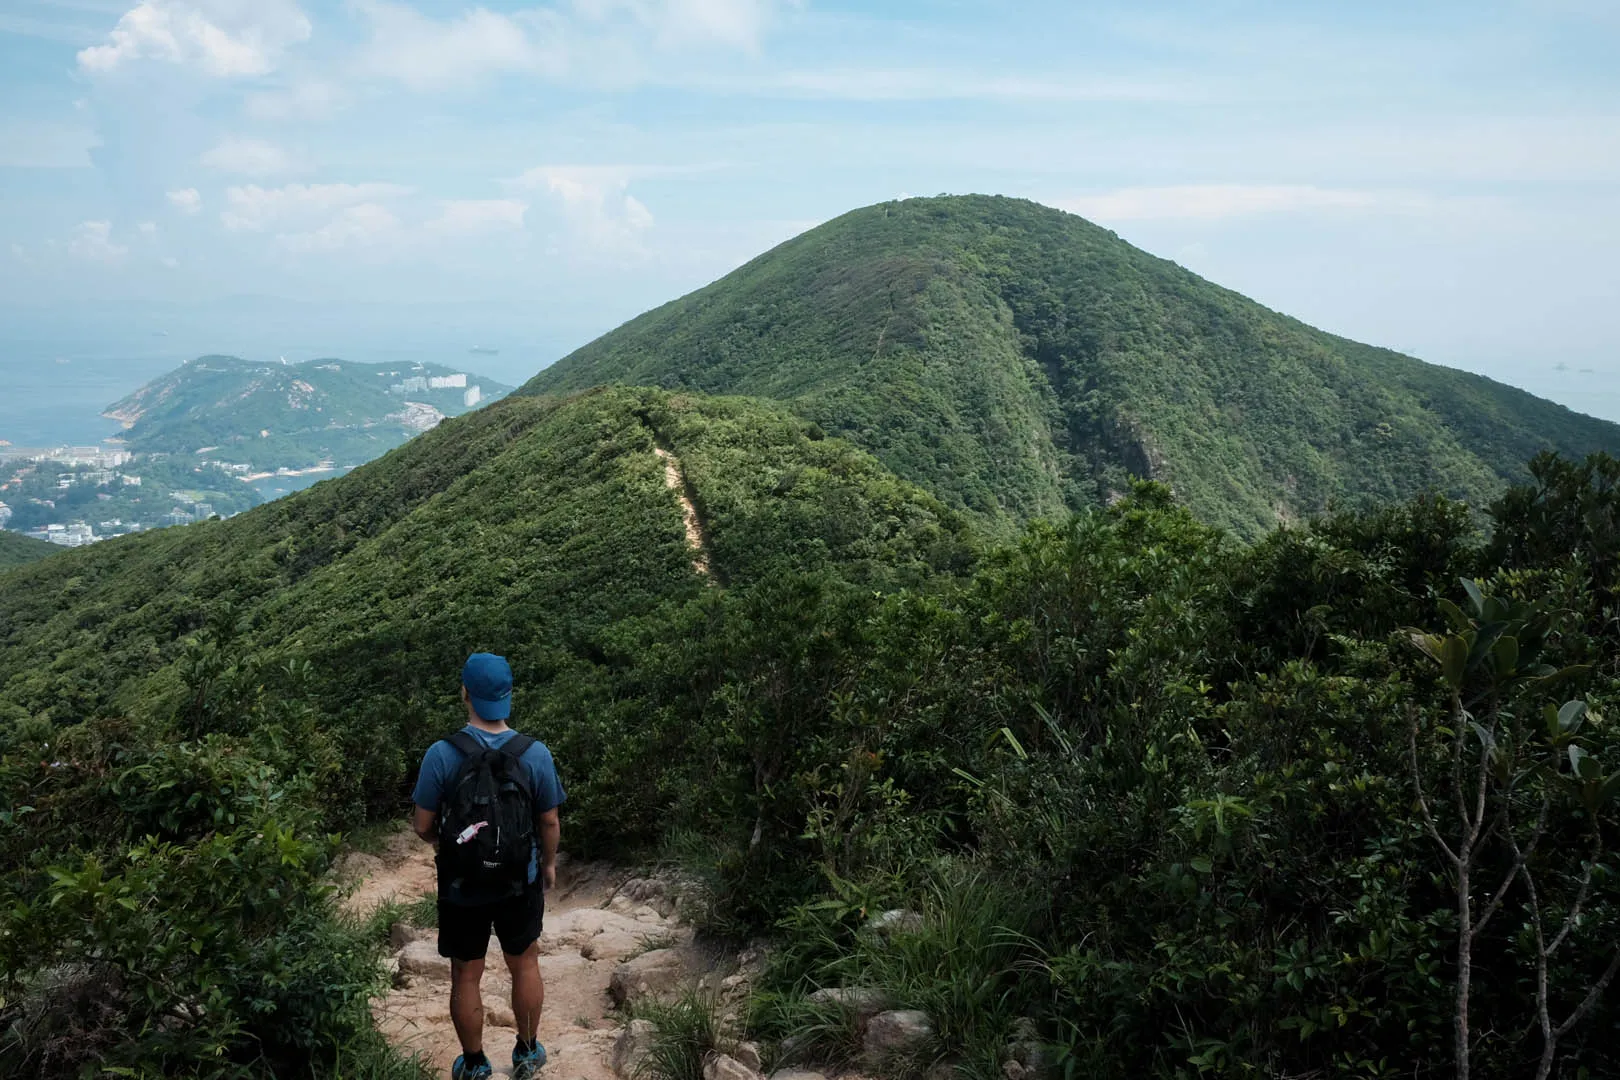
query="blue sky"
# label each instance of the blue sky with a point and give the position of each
(361, 176)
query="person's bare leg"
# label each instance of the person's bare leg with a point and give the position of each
(467, 1004)
(528, 991)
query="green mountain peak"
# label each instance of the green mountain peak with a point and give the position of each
(1019, 361)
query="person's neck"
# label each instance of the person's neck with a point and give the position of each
(494, 727)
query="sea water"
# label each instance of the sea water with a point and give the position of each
(51, 396)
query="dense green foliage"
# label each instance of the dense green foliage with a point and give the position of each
(183, 711)
(1155, 792)
(528, 525)
(16, 550)
(1017, 360)
(274, 416)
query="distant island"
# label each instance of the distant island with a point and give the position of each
(220, 435)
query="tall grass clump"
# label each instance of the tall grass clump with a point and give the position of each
(964, 952)
(688, 1030)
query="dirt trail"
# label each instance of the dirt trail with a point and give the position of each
(694, 527)
(590, 927)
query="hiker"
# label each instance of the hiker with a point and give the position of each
(487, 797)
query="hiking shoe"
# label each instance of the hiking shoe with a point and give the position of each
(526, 1064)
(463, 1071)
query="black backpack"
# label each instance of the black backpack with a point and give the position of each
(487, 833)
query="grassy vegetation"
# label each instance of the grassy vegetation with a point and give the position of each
(1020, 362)
(423, 912)
(688, 1031)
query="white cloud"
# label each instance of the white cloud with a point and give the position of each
(595, 202)
(735, 23)
(469, 217)
(307, 100)
(169, 262)
(223, 38)
(363, 225)
(598, 40)
(425, 53)
(252, 208)
(1212, 202)
(308, 218)
(247, 157)
(738, 23)
(186, 200)
(92, 242)
(18, 253)
(147, 228)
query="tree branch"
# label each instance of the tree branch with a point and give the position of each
(1422, 800)
(1591, 997)
(1519, 860)
(1581, 894)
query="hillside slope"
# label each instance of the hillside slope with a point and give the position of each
(525, 527)
(291, 415)
(1018, 361)
(15, 550)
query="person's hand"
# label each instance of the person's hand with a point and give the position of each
(548, 876)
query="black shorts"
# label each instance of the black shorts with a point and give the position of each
(464, 928)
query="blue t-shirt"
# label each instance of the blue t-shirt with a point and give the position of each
(442, 761)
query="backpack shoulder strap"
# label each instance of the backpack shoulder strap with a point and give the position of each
(517, 745)
(464, 742)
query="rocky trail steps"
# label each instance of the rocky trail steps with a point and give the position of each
(606, 940)
(609, 940)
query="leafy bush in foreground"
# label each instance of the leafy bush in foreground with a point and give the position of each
(168, 913)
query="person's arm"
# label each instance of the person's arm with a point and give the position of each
(550, 832)
(426, 824)
(429, 789)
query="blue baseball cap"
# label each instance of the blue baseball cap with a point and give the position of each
(488, 679)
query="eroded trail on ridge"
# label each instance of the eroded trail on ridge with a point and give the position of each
(695, 539)
(593, 922)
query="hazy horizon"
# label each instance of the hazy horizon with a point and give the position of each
(385, 180)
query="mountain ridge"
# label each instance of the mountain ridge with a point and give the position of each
(1021, 362)
(493, 526)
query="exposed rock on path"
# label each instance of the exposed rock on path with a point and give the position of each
(591, 930)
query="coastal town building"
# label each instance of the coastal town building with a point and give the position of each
(418, 384)
(76, 535)
(96, 457)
